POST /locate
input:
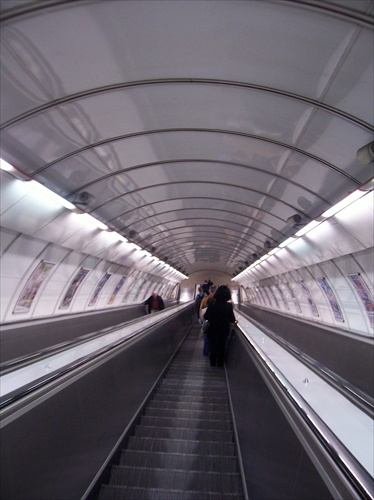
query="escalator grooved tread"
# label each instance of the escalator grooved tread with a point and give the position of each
(182, 447)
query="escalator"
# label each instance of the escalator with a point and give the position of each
(183, 445)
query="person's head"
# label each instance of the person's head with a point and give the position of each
(222, 294)
(212, 289)
(200, 289)
(154, 294)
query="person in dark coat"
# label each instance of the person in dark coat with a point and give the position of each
(220, 315)
(154, 303)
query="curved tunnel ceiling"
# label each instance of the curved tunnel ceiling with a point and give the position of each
(198, 127)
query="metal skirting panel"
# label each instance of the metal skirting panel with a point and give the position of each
(275, 464)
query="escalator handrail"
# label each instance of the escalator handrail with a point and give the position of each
(16, 363)
(23, 391)
(358, 397)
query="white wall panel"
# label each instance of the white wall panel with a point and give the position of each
(358, 220)
(7, 236)
(12, 190)
(30, 213)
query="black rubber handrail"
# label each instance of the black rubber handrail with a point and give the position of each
(27, 389)
(39, 355)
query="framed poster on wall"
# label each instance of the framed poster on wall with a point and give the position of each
(74, 285)
(98, 289)
(32, 286)
(280, 291)
(365, 295)
(294, 298)
(116, 289)
(309, 298)
(323, 283)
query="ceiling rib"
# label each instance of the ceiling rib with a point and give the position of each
(189, 81)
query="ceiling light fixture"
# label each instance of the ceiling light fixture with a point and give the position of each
(365, 155)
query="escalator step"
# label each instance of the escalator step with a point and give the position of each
(169, 404)
(127, 493)
(189, 423)
(176, 433)
(176, 479)
(187, 413)
(188, 397)
(181, 446)
(162, 460)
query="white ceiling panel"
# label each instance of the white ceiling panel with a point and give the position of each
(187, 120)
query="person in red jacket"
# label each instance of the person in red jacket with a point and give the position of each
(154, 303)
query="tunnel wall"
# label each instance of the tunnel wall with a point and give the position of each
(337, 293)
(40, 279)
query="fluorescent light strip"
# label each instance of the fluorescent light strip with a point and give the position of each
(287, 242)
(4, 165)
(344, 203)
(95, 222)
(44, 191)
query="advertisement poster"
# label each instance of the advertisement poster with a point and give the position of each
(296, 302)
(82, 273)
(364, 294)
(117, 289)
(32, 286)
(260, 296)
(267, 295)
(98, 289)
(331, 298)
(285, 303)
(274, 296)
(309, 298)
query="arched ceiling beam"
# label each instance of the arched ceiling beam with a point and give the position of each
(207, 237)
(210, 183)
(195, 199)
(166, 162)
(190, 81)
(199, 248)
(201, 210)
(209, 223)
(176, 232)
(334, 10)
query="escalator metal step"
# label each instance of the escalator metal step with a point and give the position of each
(192, 461)
(186, 423)
(169, 404)
(181, 433)
(197, 413)
(176, 479)
(116, 492)
(182, 447)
